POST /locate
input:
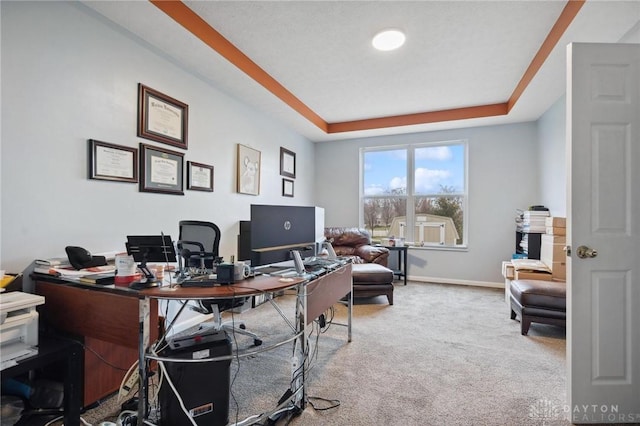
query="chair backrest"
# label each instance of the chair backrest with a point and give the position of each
(205, 233)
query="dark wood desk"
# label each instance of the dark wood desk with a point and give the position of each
(52, 350)
(116, 322)
(105, 320)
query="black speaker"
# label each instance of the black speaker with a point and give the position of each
(202, 386)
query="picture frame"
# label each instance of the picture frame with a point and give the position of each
(248, 170)
(161, 170)
(287, 187)
(108, 161)
(162, 118)
(199, 176)
(287, 163)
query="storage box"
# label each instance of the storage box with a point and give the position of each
(533, 275)
(552, 249)
(559, 271)
(508, 270)
(552, 230)
(555, 222)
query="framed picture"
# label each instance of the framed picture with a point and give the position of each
(161, 170)
(248, 181)
(287, 187)
(109, 161)
(162, 118)
(287, 163)
(199, 177)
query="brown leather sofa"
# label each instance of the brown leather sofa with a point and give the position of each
(356, 243)
(371, 277)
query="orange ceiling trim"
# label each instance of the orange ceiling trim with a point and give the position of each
(180, 13)
(420, 118)
(569, 12)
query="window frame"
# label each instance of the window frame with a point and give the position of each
(411, 196)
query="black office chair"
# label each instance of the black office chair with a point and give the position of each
(198, 247)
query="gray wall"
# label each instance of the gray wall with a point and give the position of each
(503, 177)
(68, 76)
(552, 152)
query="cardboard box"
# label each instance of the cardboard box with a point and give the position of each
(508, 270)
(552, 230)
(559, 271)
(533, 275)
(552, 250)
(555, 221)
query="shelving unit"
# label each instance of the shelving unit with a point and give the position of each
(534, 244)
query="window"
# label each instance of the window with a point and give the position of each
(417, 193)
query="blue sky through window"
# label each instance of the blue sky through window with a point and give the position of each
(435, 166)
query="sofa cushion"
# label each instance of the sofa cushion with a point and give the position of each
(371, 273)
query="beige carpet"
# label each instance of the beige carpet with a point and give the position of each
(441, 355)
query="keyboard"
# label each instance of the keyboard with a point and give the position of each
(200, 282)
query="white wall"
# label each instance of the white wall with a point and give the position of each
(503, 176)
(68, 76)
(553, 166)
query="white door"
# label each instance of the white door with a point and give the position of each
(603, 208)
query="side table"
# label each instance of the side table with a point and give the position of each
(402, 251)
(52, 350)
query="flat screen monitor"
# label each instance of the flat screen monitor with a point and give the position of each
(276, 230)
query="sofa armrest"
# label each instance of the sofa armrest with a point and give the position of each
(373, 254)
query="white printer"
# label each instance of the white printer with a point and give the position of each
(18, 326)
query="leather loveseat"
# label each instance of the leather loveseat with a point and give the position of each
(371, 277)
(356, 243)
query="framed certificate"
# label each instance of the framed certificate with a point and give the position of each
(199, 176)
(161, 170)
(109, 161)
(287, 187)
(162, 118)
(287, 163)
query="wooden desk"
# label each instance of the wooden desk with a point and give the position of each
(105, 320)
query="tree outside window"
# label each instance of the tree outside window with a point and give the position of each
(432, 200)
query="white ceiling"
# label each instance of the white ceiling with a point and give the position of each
(457, 54)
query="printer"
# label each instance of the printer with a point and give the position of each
(18, 326)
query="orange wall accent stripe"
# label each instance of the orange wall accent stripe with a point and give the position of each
(180, 13)
(569, 12)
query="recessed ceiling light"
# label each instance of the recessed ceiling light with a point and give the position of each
(388, 40)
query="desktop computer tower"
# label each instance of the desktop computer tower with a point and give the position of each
(202, 386)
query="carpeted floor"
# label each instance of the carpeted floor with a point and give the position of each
(442, 354)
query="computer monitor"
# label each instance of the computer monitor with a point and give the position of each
(276, 230)
(150, 248)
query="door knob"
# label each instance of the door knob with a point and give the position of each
(584, 252)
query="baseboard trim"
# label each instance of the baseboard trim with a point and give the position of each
(440, 280)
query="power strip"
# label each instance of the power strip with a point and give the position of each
(133, 380)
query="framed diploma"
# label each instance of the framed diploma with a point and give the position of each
(109, 161)
(287, 187)
(161, 170)
(287, 163)
(162, 118)
(199, 176)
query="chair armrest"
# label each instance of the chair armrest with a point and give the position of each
(373, 254)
